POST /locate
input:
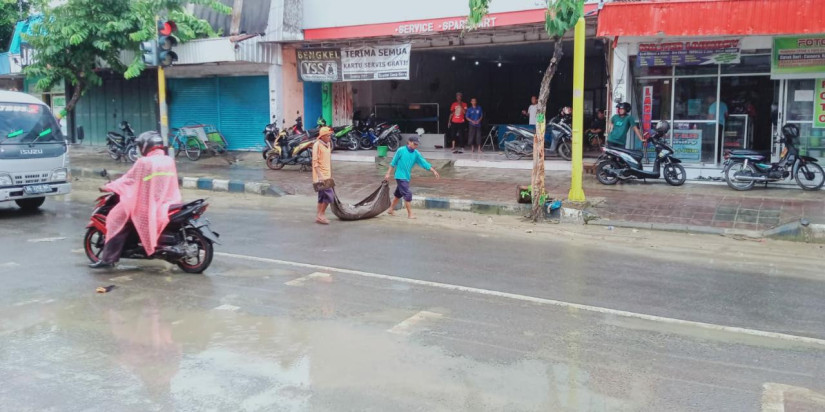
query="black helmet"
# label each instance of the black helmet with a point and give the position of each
(148, 141)
(624, 105)
(790, 131)
(663, 127)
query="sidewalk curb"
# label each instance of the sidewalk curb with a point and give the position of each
(800, 231)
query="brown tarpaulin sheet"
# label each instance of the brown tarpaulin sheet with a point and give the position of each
(375, 204)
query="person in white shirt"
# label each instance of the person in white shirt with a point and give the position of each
(532, 110)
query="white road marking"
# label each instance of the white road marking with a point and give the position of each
(9, 265)
(404, 327)
(542, 301)
(773, 396)
(26, 302)
(77, 251)
(300, 281)
(46, 239)
(123, 278)
(227, 306)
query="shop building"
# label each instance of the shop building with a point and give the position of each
(501, 63)
(726, 74)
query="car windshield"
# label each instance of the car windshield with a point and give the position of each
(27, 123)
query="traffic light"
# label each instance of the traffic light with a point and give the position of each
(166, 40)
(158, 52)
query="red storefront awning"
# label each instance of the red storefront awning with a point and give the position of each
(661, 18)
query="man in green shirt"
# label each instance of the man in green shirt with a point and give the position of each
(620, 124)
(403, 162)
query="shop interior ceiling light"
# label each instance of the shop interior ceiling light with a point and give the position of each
(476, 62)
(452, 58)
(499, 64)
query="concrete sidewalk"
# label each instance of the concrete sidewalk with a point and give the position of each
(708, 207)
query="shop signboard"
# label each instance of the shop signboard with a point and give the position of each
(368, 62)
(798, 55)
(689, 53)
(819, 104)
(647, 108)
(319, 65)
(687, 143)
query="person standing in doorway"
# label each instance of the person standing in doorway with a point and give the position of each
(456, 126)
(403, 162)
(532, 111)
(598, 126)
(723, 116)
(620, 124)
(474, 116)
(322, 173)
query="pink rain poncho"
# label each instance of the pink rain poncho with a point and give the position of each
(146, 191)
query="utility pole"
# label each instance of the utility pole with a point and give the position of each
(576, 191)
(164, 110)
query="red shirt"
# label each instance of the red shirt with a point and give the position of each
(458, 112)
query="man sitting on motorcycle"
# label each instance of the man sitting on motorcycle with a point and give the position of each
(146, 191)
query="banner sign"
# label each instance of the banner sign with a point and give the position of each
(688, 144)
(387, 62)
(647, 108)
(689, 53)
(798, 55)
(819, 104)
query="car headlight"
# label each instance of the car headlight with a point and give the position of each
(60, 175)
(5, 179)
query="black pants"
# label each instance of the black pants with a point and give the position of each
(113, 246)
(474, 136)
(457, 135)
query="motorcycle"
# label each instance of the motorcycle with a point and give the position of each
(122, 145)
(343, 137)
(623, 164)
(561, 127)
(744, 168)
(271, 133)
(290, 149)
(373, 134)
(518, 143)
(187, 241)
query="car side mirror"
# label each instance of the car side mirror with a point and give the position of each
(80, 134)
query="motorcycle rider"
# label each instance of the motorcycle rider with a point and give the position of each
(146, 191)
(620, 124)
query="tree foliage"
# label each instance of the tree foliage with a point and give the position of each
(10, 14)
(79, 37)
(559, 17)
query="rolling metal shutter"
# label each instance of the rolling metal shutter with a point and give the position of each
(237, 106)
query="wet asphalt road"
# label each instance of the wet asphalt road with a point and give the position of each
(354, 329)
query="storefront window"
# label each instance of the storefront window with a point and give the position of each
(697, 70)
(695, 100)
(760, 64)
(800, 104)
(661, 91)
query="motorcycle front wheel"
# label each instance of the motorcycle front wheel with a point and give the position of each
(511, 153)
(674, 174)
(132, 153)
(810, 176)
(602, 174)
(735, 184)
(565, 150)
(366, 143)
(393, 141)
(273, 163)
(353, 142)
(201, 256)
(93, 244)
(114, 153)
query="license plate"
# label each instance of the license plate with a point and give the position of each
(37, 189)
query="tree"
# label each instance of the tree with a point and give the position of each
(11, 11)
(77, 38)
(560, 17)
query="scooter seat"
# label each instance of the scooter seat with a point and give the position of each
(748, 152)
(637, 154)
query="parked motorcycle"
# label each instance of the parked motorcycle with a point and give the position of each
(122, 145)
(744, 168)
(271, 132)
(561, 128)
(518, 142)
(290, 149)
(187, 241)
(374, 134)
(623, 164)
(343, 137)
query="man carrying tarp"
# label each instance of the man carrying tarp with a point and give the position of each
(403, 162)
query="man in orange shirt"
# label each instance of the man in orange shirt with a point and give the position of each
(455, 126)
(321, 171)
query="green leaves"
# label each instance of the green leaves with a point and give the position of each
(76, 36)
(560, 16)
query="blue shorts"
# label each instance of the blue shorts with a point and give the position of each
(402, 190)
(326, 196)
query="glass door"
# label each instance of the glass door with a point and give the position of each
(799, 110)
